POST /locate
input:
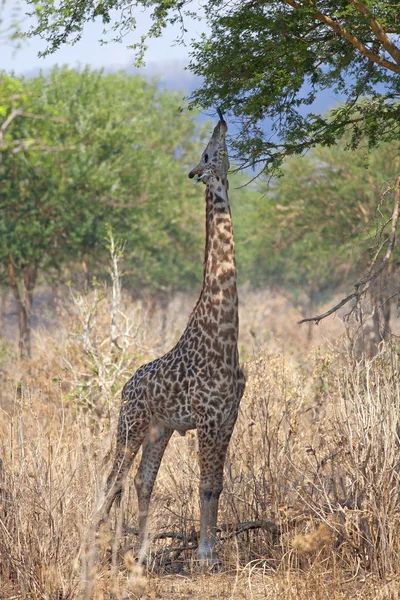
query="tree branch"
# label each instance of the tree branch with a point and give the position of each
(26, 145)
(21, 145)
(230, 529)
(191, 541)
(378, 30)
(13, 279)
(339, 30)
(362, 286)
(16, 112)
(42, 117)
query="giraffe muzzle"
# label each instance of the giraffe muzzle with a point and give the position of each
(199, 174)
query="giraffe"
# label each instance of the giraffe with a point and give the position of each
(199, 383)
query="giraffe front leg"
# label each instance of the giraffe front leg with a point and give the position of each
(209, 499)
(206, 551)
(213, 445)
(224, 437)
(210, 490)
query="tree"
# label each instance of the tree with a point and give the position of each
(265, 62)
(324, 222)
(13, 99)
(113, 152)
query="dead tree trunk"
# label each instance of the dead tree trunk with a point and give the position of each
(381, 316)
(23, 287)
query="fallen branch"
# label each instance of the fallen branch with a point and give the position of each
(190, 542)
(233, 530)
(230, 528)
(362, 286)
(163, 535)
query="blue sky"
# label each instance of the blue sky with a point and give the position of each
(90, 52)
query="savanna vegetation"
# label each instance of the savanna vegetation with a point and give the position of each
(310, 506)
(101, 250)
(86, 153)
(267, 63)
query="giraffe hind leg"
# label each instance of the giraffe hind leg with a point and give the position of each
(153, 450)
(131, 432)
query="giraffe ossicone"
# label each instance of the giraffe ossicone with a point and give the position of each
(198, 384)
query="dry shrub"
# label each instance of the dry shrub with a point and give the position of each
(310, 542)
(313, 466)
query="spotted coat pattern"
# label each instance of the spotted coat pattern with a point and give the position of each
(199, 382)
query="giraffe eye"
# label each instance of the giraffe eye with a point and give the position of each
(206, 158)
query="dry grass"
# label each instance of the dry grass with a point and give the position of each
(315, 451)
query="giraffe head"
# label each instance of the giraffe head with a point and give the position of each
(214, 160)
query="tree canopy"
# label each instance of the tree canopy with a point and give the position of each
(84, 151)
(266, 62)
(325, 219)
(97, 150)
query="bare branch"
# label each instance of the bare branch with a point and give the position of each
(233, 530)
(116, 253)
(42, 117)
(362, 286)
(191, 541)
(25, 145)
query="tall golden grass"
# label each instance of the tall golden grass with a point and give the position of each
(312, 472)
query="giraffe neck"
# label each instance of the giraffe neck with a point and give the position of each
(218, 298)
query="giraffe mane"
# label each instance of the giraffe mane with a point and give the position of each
(206, 250)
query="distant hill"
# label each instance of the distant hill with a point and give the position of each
(174, 75)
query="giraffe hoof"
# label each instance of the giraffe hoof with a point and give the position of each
(211, 565)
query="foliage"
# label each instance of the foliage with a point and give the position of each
(100, 150)
(88, 151)
(321, 224)
(81, 152)
(266, 63)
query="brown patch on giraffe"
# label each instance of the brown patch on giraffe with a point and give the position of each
(226, 317)
(215, 287)
(226, 276)
(225, 238)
